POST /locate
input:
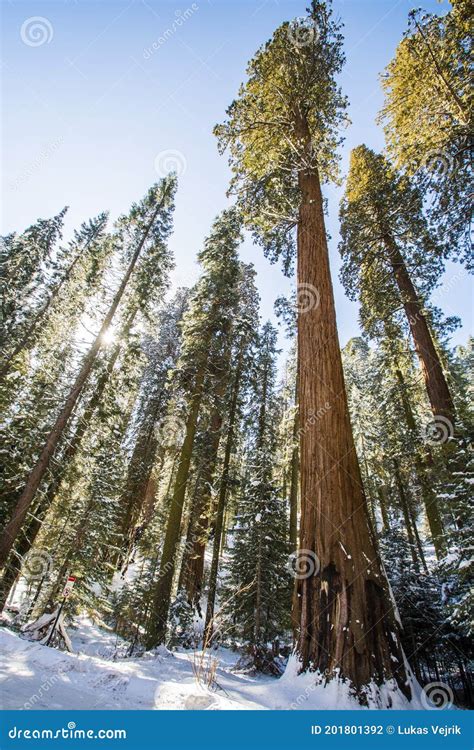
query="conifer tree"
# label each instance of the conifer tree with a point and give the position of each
(229, 384)
(82, 254)
(143, 233)
(282, 135)
(258, 583)
(427, 117)
(201, 506)
(207, 326)
(151, 424)
(246, 333)
(388, 445)
(418, 599)
(384, 234)
(27, 263)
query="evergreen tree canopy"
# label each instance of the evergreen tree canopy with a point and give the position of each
(285, 119)
(428, 117)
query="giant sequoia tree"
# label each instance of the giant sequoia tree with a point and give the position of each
(386, 247)
(282, 135)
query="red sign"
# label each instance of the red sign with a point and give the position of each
(69, 586)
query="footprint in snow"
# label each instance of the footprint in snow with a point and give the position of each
(112, 681)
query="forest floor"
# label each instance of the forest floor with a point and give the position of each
(38, 677)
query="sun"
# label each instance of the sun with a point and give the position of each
(108, 337)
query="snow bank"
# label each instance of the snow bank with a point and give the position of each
(95, 677)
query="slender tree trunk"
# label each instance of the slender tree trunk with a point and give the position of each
(294, 478)
(406, 512)
(258, 595)
(419, 545)
(435, 381)
(370, 502)
(36, 476)
(222, 500)
(262, 421)
(162, 594)
(383, 508)
(433, 515)
(150, 493)
(466, 681)
(294, 485)
(347, 622)
(193, 561)
(13, 566)
(139, 471)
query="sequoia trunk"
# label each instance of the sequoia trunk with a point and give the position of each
(435, 381)
(347, 624)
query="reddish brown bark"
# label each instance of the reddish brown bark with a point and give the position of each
(435, 381)
(347, 622)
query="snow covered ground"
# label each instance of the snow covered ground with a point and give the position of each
(33, 676)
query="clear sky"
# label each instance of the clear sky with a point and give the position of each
(100, 95)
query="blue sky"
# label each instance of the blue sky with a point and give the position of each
(91, 114)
